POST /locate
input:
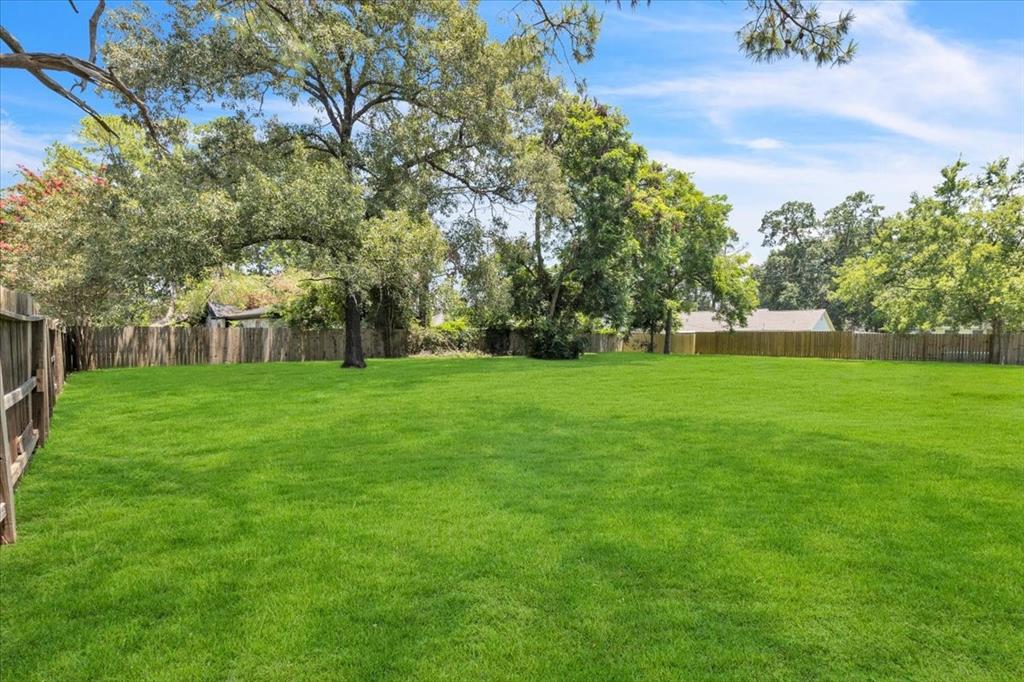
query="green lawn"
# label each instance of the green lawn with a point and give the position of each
(621, 517)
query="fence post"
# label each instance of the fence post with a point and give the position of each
(40, 361)
(8, 526)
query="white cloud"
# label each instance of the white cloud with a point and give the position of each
(658, 24)
(755, 185)
(287, 112)
(908, 105)
(21, 148)
(761, 143)
(904, 81)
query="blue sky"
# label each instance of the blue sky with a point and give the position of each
(932, 81)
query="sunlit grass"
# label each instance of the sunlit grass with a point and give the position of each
(624, 516)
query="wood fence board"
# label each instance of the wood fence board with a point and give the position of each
(32, 368)
(107, 347)
(1008, 349)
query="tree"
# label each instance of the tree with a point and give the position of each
(88, 71)
(793, 28)
(780, 29)
(106, 233)
(401, 256)
(795, 274)
(809, 251)
(954, 258)
(482, 291)
(683, 258)
(416, 105)
(589, 238)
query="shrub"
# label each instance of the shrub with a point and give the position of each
(497, 340)
(555, 340)
(453, 336)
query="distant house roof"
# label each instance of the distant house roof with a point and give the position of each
(762, 319)
(230, 312)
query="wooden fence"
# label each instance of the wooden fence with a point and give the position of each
(1002, 349)
(682, 344)
(106, 347)
(31, 378)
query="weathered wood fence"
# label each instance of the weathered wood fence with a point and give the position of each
(106, 347)
(1001, 349)
(31, 378)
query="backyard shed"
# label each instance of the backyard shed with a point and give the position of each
(220, 315)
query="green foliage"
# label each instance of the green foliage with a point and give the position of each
(239, 289)
(400, 256)
(628, 241)
(558, 339)
(954, 258)
(319, 306)
(809, 251)
(795, 28)
(479, 273)
(733, 288)
(683, 260)
(106, 236)
(416, 107)
(406, 92)
(581, 219)
(451, 336)
(601, 164)
(317, 203)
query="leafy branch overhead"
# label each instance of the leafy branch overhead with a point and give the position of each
(779, 29)
(782, 28)
(792, 28)
(86, 70)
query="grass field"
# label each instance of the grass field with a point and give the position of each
(621, 517)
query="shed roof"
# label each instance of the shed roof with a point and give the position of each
(761, 319)
(230, 312)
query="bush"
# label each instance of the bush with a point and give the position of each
(497, 340)
(454, 336)
(555, 340)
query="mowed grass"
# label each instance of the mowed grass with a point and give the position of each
(621, 517)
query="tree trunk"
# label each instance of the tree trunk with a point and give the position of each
(650, 340)
(668, 333)
(554, 299)
(354, 356)
(424, 307)
(995, 349)
(538, 246)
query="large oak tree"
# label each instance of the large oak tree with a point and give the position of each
(414, 103)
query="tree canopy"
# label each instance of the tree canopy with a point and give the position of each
(416, 106)
(417, 114)
(953, 258)
(809, 250)
(683, 258)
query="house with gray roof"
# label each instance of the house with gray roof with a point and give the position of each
(761, 320)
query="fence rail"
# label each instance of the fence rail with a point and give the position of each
(31, 377)
(107, 347)
(1002, 348)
